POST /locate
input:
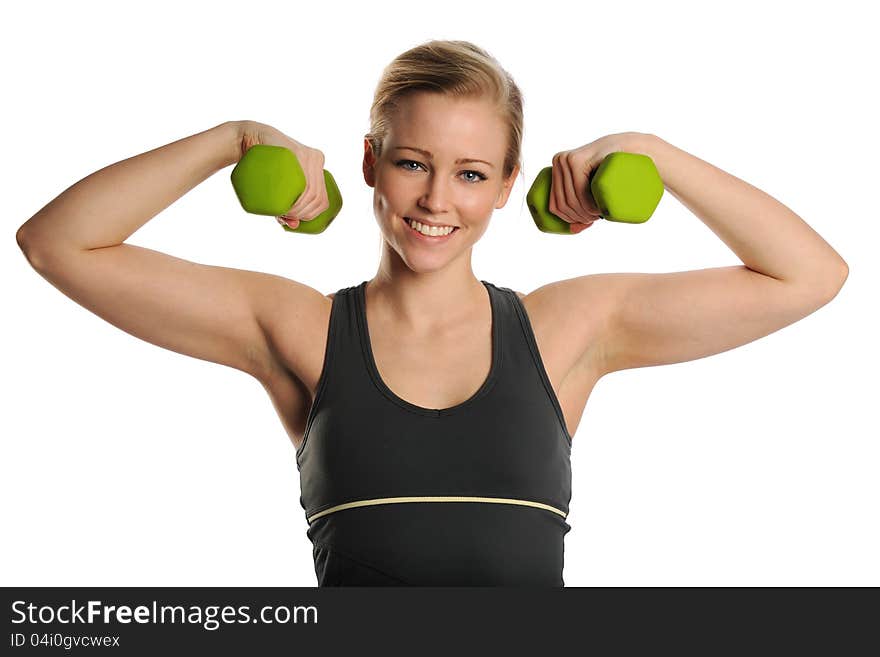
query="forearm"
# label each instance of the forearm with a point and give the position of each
(108, 206)
(766, 235)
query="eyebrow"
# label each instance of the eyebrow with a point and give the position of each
(429, 156)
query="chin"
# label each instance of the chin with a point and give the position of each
(422, 265)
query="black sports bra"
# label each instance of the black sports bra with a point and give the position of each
(472, 495)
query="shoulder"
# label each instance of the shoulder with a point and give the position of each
(520, 295)
(331, 295)
(571, 320)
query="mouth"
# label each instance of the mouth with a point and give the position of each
(428, 238)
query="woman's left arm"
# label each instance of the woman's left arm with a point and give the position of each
(616, 321)
(766, 235)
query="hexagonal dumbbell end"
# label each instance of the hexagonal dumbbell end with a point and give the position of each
(626, 188)
(269, 179)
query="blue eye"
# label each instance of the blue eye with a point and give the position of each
(479, 175)
(404, 163)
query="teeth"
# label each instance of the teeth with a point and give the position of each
(430, 230)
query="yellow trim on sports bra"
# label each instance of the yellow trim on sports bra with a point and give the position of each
(397, 500)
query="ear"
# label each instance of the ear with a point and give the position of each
(506, 188)
(369, 163)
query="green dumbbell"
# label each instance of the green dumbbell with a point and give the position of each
(626, 188)
(269, 179)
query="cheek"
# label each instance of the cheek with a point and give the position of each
(479, 207)
(394, 194)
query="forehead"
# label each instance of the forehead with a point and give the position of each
(435, 121)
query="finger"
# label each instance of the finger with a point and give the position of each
(300, 207)
(309, 196)
(295, 209)
(580, 184)
(557, 191)
(310, 210)
(579, 228)
(316, 200)
(318, 209)
(570, 195)
(590, 205)
(320, 202)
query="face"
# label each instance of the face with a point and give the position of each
(429, 184)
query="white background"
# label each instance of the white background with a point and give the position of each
(125, 464)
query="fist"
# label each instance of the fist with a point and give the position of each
(570, 197)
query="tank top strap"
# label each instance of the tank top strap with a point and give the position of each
(343, 363)
(521, 356)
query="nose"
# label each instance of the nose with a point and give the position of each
(435, 197)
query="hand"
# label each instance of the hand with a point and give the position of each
(570, 198)
(313, 201)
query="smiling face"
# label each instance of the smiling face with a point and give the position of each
(422, 174)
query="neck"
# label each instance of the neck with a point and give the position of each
(426, 303)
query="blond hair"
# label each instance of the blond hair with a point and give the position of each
(456, 68)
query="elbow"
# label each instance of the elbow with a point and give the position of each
(21, 237)
(835, 282)
(823, 284)
(26, 236)
(25, 242)
(842, 275)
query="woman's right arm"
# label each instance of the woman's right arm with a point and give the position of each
(218, 314)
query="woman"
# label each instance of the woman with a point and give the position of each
(432, 412)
